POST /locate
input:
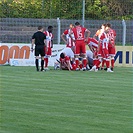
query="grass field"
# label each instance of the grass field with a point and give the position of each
(65, 102)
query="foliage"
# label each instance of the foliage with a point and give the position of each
(67, 9)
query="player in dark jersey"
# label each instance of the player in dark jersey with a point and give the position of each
(39, 40)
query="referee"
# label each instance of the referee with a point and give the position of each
(38, 39)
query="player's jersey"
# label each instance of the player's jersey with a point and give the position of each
(63, 61)
(112, 36)
(70, 42)
(79, 33)
(92, 43)
(49, 37)
(104, 39)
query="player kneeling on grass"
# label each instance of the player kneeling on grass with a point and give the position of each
(65, 63)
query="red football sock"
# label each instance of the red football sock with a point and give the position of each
(103, 62)
(107, 63)
(84, 62)
(112, 63)
(77, 62)
(98, 63)
(46, 62)
(80, 66)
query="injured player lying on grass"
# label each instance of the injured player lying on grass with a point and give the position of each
(64, 60)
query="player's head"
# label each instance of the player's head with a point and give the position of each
(40, 28)
(108, 25)
(62, 55)
(77, 23)
(71, 26)
(107, 29)
(50, 28)
(103, 26)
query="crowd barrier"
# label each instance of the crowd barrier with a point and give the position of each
(20, 55)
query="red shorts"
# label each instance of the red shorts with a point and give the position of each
(95, 54)
(100, 50)
(80, 47)
(48, 52)
(103, 52)
(111, 51)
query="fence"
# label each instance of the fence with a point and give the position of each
(20, 30)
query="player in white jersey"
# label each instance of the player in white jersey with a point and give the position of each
(98, 35)
(66, 37)
(111, 46)
(103, 53)
(49, 41)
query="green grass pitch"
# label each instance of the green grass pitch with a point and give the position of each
(65, 102)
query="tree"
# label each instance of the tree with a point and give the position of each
(67, 9)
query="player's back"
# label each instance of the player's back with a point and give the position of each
(92, 42)
(79, 33)
(49, 37)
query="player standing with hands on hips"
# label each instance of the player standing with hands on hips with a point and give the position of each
(38, 39)
(80, 45)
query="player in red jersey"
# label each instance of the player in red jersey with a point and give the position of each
(93, 45)
(65, 63)
(103, 50)
(66, 37)
(111, 46)
(49, 43)
(98, 35)
(80, 45)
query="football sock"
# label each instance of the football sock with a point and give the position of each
(107, 63)
(98, 63)
(42, 64)
(84, 62)
(36, 62)
(77, 62)
(103, 62)
(46, 62)
(80, 66)
(112, 62)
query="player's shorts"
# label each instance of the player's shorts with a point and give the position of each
(39, 50)
(111, 51)
(105, 53)
(49, 51)
(80, 47)
(95, 54)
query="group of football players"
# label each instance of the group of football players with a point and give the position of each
(74, 56)
(101, 48)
